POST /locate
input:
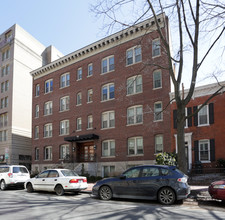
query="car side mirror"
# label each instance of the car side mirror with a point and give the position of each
(122, 177)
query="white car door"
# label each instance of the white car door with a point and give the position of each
(39, 182)
(51, 180)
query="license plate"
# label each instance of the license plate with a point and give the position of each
(80, 181)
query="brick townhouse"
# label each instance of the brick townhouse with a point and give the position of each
(99, 108)
(204, 132)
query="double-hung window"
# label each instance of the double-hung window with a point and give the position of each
(134, 85)
(49, 86)
(64, 151)
(37, 90)
(90, 122)
(135, 145)
(133, 55)
(108, 119)
(156, 48)
(79, 74)
(108, 64)
(90, 69)
(36, 132)
(48, 130)
(36, 153)
(204, 150)
(158, 143)
(48, 153)
(65, 80)
(158, 114)
(89, 95)
(108, 148)
(79, 98)
(157, 79)
(48, 108)
(64, 127)
(37, 111)
(79, 124)
(108, 92)
(135, 115)
(64, 103)
(203, 116)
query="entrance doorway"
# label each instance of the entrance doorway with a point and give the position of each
(85, 152)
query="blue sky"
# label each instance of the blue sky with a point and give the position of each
(69, 25)
(66, 24)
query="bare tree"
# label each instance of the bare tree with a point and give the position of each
(198, 28)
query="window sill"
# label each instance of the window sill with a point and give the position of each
(107, 72)
(136, 93)
(64, 87)
(156, 56)
(107, 100)
(127, 65)
(161, 120)
(135, 155)
(107, 128)
(128, 125)
(203, 125)
(157, 88)
(106, 157)
(64, 110)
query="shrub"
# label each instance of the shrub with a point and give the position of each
(221, 162)
(166, 159)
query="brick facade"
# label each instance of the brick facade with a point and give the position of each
(211, 133)
(115, 45)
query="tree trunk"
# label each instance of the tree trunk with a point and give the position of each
(182, 160)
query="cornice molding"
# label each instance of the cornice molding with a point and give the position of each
(111, 41)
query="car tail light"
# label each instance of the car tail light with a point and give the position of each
(74, 181)
(85, 180)
(10, 175)
(219, 187)
(182, 180)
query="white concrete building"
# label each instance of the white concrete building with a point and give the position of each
(20, 53)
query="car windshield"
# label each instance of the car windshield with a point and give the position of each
(19, 170)
(69, 173)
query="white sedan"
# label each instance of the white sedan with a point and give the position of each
(57, 180)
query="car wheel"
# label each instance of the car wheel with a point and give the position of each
(59, 190)
(166, 196)
(3, 185)
(29, 188)
(105, 193)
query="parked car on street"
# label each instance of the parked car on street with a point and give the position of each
(57, 180)
(13, 175)
(217, 190)
(153, 182)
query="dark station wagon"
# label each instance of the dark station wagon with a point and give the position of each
(153, 182)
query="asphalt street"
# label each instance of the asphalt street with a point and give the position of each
(20, 205)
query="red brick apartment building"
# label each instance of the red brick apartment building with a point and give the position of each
(97, 108)
(204, 133)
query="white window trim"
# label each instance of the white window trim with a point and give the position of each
(80, 68)
(80, 124)
(78, 104)
(47, 147)
(199, 142)
(65, 74)
(48, 125)
(133, 56)
(62, 98)
(157, 135)
(108, 141)
(108, 120)
(49, 80)
(89, 128)
(108, 92)
(88, 96)
(63, 145)
(207, 124)
(90, 64)
(160, 79)
(135, 147)
(160, 111)
(135, 80)
(157, 39)
(135, 107)
(108, 71)
(65, 128)
(48, 103)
